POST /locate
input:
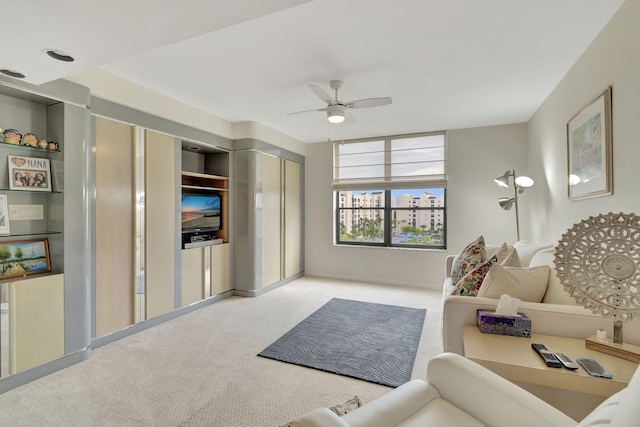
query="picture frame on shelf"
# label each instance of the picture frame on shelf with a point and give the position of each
(590, 150)
(29, 173)
(4, 215)
(24, 257)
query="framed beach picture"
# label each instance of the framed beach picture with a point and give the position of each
(24, 257)
(589, 145)
(29, 173)
(4, 215)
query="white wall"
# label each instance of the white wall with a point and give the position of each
(612, 59)
(472, 210)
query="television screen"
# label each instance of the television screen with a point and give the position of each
(200, 212)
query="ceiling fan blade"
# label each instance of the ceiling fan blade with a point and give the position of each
(369, 102)
(349, 118)
(306, 111)
(322, 94)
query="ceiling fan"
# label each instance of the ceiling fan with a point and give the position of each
(337, 111)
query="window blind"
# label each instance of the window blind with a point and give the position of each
(395, 162)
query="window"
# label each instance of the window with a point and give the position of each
(391, 191)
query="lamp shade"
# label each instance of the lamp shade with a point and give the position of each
(506, 203)
(524, 181)
(503, 180)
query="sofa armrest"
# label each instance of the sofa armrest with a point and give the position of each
(393, 407)
(448, 263)
(489, 398)
(320, 417)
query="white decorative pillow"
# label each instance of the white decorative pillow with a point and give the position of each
(512, 259)
(527, 250)
(470, 257)
(555, 291)
(527, 284)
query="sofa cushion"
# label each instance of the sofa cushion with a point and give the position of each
(470, 257)
(471, 282)
(527, 250)
(555, 291)
(525, 283)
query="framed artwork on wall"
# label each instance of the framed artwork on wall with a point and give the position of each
(29, 173)
(24, 257)
(4, 215)
(590, 150)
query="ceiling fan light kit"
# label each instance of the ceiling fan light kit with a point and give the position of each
(337, 110)
(335, 113)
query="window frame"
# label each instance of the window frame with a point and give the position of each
(388, 183)
(388, 209)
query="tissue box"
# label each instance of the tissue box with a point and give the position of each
(492, 323)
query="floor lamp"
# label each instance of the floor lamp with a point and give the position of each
(520, 183)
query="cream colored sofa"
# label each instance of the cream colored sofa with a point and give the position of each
(557, 314)
(461, 393)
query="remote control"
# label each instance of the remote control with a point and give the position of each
(547, 356)
(566, 362)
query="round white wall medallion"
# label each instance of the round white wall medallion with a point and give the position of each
(598, 263)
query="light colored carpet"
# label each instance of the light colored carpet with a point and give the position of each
(202, 368)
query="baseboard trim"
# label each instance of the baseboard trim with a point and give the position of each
(44, 369)
(258, 292)
(130, 330)
(360, 279)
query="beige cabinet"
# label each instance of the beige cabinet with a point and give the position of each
(220, 265)
(115, 227)
(292, 216)
(36, 321)
(193, 275)
(281, 219)
(205, 272)
(160, 223)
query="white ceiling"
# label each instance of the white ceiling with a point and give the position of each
(447, 64)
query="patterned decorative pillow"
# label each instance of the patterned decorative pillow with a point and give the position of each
(470, 257)
(471, 282)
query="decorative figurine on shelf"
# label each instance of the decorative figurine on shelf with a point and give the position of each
(1, 135)
(43, 144)
(30, 140)
(12, 136)
(52, 146)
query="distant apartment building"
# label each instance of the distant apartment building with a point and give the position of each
(432, 219)
(349, 218)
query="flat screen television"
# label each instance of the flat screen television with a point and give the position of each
(201, 213)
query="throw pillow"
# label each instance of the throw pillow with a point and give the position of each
(526, 284)
(470, 257)
(527, 250)
(471, 282)
(556, 293)
(512, 259)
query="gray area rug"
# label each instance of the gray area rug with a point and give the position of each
(371, 342)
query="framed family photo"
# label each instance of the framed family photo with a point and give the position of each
(590, 150)
(29, 173)
(24, 257)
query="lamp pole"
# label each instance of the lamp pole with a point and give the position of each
(515, 200)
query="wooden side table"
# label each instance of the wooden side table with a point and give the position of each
(514, 359)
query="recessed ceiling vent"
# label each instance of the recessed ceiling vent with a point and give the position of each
(12, 73)
(60, 55)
